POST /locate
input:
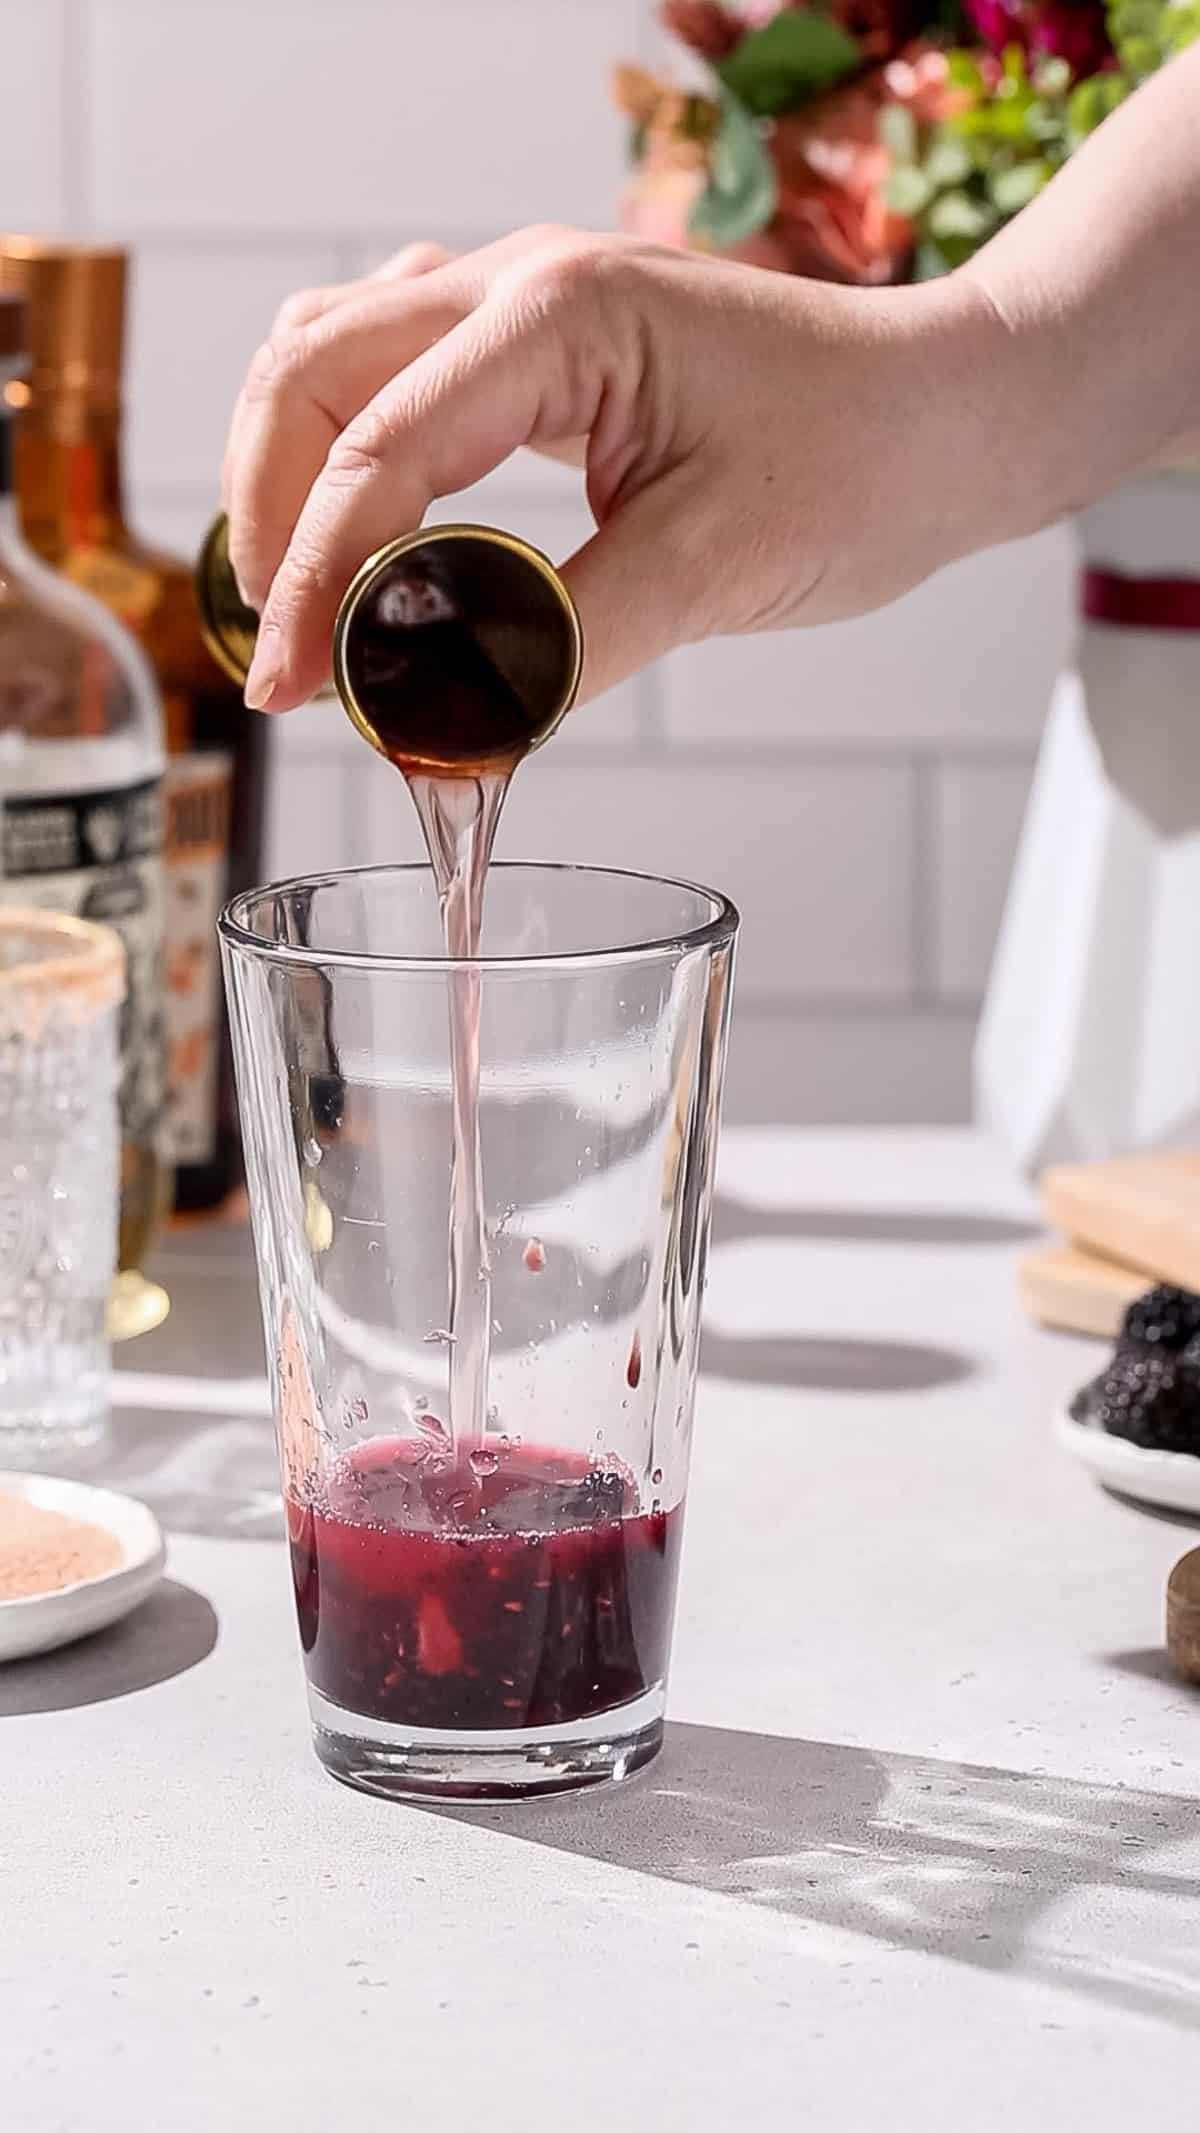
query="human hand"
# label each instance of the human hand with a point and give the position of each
(760, 451)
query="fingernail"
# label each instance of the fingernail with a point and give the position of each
(264, 669)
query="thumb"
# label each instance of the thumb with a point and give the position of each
(637, 594)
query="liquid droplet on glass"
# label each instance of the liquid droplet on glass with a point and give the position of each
(656, 1476)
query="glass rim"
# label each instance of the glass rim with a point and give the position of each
(68, 956)
(714, 932)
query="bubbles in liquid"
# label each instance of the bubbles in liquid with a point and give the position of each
(656, 1476)
(483, 1461)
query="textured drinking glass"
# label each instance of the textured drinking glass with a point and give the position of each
(485, 1616)
(61, 984)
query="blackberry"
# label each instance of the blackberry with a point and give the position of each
(1163, 1318)
(1149, 1396)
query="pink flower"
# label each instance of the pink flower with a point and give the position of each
(920, 80)
(832, 217)
(708, 28)
(1074, 30)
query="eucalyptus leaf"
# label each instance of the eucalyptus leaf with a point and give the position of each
(930, 261)
(908, 191)
(739, 197)
(957, 215)
(1092, 101)
(948, 162)
(1014, 188)
(898, 132)
(794, 56)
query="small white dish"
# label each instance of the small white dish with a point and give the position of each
(1169, 1480)
(44, 1620)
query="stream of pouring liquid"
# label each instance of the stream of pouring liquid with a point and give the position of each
(458, 819)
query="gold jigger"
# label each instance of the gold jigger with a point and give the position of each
(456, 648)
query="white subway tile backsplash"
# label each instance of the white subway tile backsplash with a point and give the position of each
(177, 524)
(197, 319)
(976, 818)
(357, 115)
(35, 144)
(306, 820)
(831, 1070)
(969, 657)
(818, 859)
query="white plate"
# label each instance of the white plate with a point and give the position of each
(1171, 1480)
(45, 1620)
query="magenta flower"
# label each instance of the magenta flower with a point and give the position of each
(1074, 30)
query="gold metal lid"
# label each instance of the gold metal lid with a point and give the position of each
(227, 625)
(457, 648)
(76, 299)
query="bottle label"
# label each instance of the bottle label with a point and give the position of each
(130, 590)
(98, 855)
(199, 790)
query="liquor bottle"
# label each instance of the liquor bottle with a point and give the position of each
(81, 765)
(69, 484)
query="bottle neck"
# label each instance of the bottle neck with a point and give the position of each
(68, 478)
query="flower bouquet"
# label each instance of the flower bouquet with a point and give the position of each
(871, 141)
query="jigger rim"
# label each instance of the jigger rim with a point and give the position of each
(717, 931)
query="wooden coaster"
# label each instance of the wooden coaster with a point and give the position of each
(1183, 1616)
(1140, 1210)
(1076, 1291)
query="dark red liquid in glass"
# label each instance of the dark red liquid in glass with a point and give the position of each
(532, 1594)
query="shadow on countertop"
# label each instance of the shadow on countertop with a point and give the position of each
(974, 1864)
(736, 1222)
(173, 1630)
(815, 1364)
(808, 1363)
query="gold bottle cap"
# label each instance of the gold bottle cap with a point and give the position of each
(76, 299)
(227, 625)
(455, 647)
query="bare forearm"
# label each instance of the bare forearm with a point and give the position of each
(1097, 286)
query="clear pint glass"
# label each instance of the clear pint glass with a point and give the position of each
(488, 1617)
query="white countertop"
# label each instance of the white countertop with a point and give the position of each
(922, 1851)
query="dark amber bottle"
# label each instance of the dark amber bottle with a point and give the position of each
(70, 495)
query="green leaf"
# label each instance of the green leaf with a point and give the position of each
(1092, 101)
(957, 215)
(930, 262)
(898, 132)
(965, 71)
(1142, 55)
(1013, 189)
(791, 58)
(947, 163)
(908, 191)
(739, 197)
(1052, 77)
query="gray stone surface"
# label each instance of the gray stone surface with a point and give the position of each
(922, 1850)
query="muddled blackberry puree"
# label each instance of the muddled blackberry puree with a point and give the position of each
(523, 1588)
